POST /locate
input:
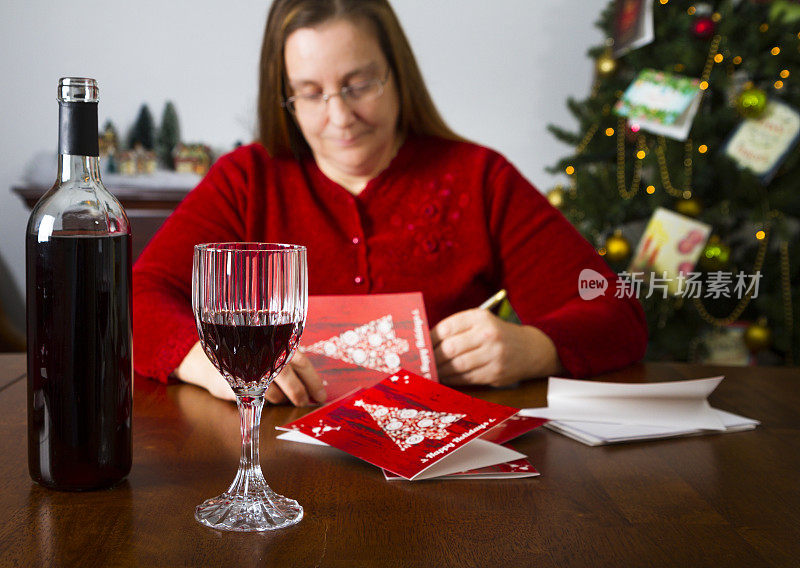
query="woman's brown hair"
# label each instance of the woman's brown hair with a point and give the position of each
(277, 130)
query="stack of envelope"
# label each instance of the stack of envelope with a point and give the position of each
(598, 413)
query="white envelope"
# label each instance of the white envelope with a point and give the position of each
(678, 404)
(600, 433)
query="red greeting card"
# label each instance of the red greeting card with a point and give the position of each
(355, 341)
(513, 427)
(633, 25)
(406, 424)
(510, 470)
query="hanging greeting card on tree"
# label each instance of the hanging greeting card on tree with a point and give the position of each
(633, 25)
(355, 341)
(412, 427)
(661, 103)
(762, 144)
(670, 247)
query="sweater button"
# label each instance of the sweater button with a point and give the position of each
(429, 210)
(358, 280)
(356, 240)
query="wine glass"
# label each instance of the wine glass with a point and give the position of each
(250, 302)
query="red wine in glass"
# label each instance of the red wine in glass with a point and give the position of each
(249, 352)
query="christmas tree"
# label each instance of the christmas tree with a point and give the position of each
(169, 134)
(744, 58)
(143, 131)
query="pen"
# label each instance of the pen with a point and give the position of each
(493, 301)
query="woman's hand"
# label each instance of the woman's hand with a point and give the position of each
(477, 347)
(198, 370)
(298, 381)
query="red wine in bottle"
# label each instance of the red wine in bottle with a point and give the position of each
(78, 268)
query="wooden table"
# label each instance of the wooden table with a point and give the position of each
(717, 500)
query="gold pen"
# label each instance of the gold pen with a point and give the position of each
(493, 301)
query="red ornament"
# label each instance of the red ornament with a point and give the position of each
(703, 27)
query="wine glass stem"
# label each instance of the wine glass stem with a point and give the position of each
(249, 478)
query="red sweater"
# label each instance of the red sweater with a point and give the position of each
(454, 220)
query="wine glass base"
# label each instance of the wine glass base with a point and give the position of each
(263, 511)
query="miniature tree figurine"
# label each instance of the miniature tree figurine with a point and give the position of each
(169, 134)
(143, 131)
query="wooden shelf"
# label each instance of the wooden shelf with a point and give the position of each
(146, 207)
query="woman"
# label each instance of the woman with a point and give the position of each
(355, 162)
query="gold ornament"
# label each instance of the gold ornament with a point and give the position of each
(605, 64)
(617, 247)
(715, 255)
(752, 102)
(556, 196)
(690, 207)
(758, 336)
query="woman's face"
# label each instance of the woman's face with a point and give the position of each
(349, 138)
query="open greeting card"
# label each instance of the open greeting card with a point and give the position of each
(415, 429)
(598, 413)
(510, 470)
(355, 341)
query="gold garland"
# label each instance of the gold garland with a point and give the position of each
(686, 192)
(712, 51)
(586, 139)
(788, 318)
(743, 303)
(622, 186)
(757, 266)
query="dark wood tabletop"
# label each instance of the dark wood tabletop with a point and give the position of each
(717, 500)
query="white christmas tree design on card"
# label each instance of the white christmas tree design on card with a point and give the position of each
(355, 341)
(411, 426)
(373, 345)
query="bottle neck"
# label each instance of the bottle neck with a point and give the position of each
(84, 169)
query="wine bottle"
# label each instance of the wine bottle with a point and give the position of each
(78, 280)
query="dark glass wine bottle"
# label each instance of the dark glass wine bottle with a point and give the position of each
(80, 366)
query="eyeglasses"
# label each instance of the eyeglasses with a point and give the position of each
(315, 103)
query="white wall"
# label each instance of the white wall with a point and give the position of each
(499, 72)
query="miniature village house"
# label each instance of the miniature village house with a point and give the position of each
(192, 158)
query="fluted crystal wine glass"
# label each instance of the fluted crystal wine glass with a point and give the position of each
(250, 302)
